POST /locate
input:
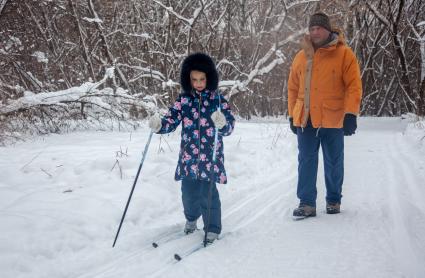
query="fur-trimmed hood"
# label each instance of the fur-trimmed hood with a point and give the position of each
(200, 62)
(337, 39)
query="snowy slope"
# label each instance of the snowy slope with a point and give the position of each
(60, 206)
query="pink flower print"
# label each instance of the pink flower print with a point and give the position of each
(195, 115)
(194, 168)
(203, 122)
(222, 178)
(203, 157)
(177, 106)
(203, 110)
(195, 151)
(185, 137)
(196, 134)
(203, 140)
(225, 106)
(186, 156)
(210, 132)
(187, 122)
(216, 169)
(206, 103)
(184, 100)
(208, 166)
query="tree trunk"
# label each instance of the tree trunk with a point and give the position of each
(84, 50)
(421, 100)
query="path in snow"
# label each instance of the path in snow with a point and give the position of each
(60, 205)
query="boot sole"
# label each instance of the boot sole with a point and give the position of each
(296, 218)
(189, 232)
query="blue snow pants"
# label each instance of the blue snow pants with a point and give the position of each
(332, 142)
(195, 201)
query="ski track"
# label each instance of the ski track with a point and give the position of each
(379, 232)
(243, 212)
(405, 198)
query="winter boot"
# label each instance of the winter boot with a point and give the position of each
(304, 211)
(190, 227)
(333, 208)
(211, 237)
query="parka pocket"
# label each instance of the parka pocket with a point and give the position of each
(332, 113)
(298, 112)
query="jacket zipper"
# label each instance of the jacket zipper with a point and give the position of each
(199, 134)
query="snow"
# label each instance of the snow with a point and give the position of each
(13, 41)
(87, 91)
(235, 85)
(171, 10)
(170, 83)
(41, 57)
(62, 197)
(2, 5)
(91, 20)
(30, 99)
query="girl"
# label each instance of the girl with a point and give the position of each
(197, 107)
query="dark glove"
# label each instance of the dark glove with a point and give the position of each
(291, 125)
(350, 124)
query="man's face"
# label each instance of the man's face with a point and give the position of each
(198, 80)
(318, 35)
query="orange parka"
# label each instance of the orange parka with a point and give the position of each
(324, 84)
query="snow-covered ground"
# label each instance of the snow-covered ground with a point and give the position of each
(62, 197)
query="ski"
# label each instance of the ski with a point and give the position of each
(170, 237)
(179, 257)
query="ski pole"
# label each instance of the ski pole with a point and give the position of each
(134, 185)
(212, 181)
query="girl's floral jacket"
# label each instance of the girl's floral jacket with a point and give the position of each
(194, 110)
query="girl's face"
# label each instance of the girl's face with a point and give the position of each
(198, 80)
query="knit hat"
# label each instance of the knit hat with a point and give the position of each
(320, 19)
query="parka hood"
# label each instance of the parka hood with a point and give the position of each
(200, 62)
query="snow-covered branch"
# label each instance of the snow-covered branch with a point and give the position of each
(171, 11)
(378, 14)
(74, 94)
(2, 5)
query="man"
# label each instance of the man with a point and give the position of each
(324, 93)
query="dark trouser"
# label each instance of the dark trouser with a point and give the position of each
(332, 142)
(195, 201)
